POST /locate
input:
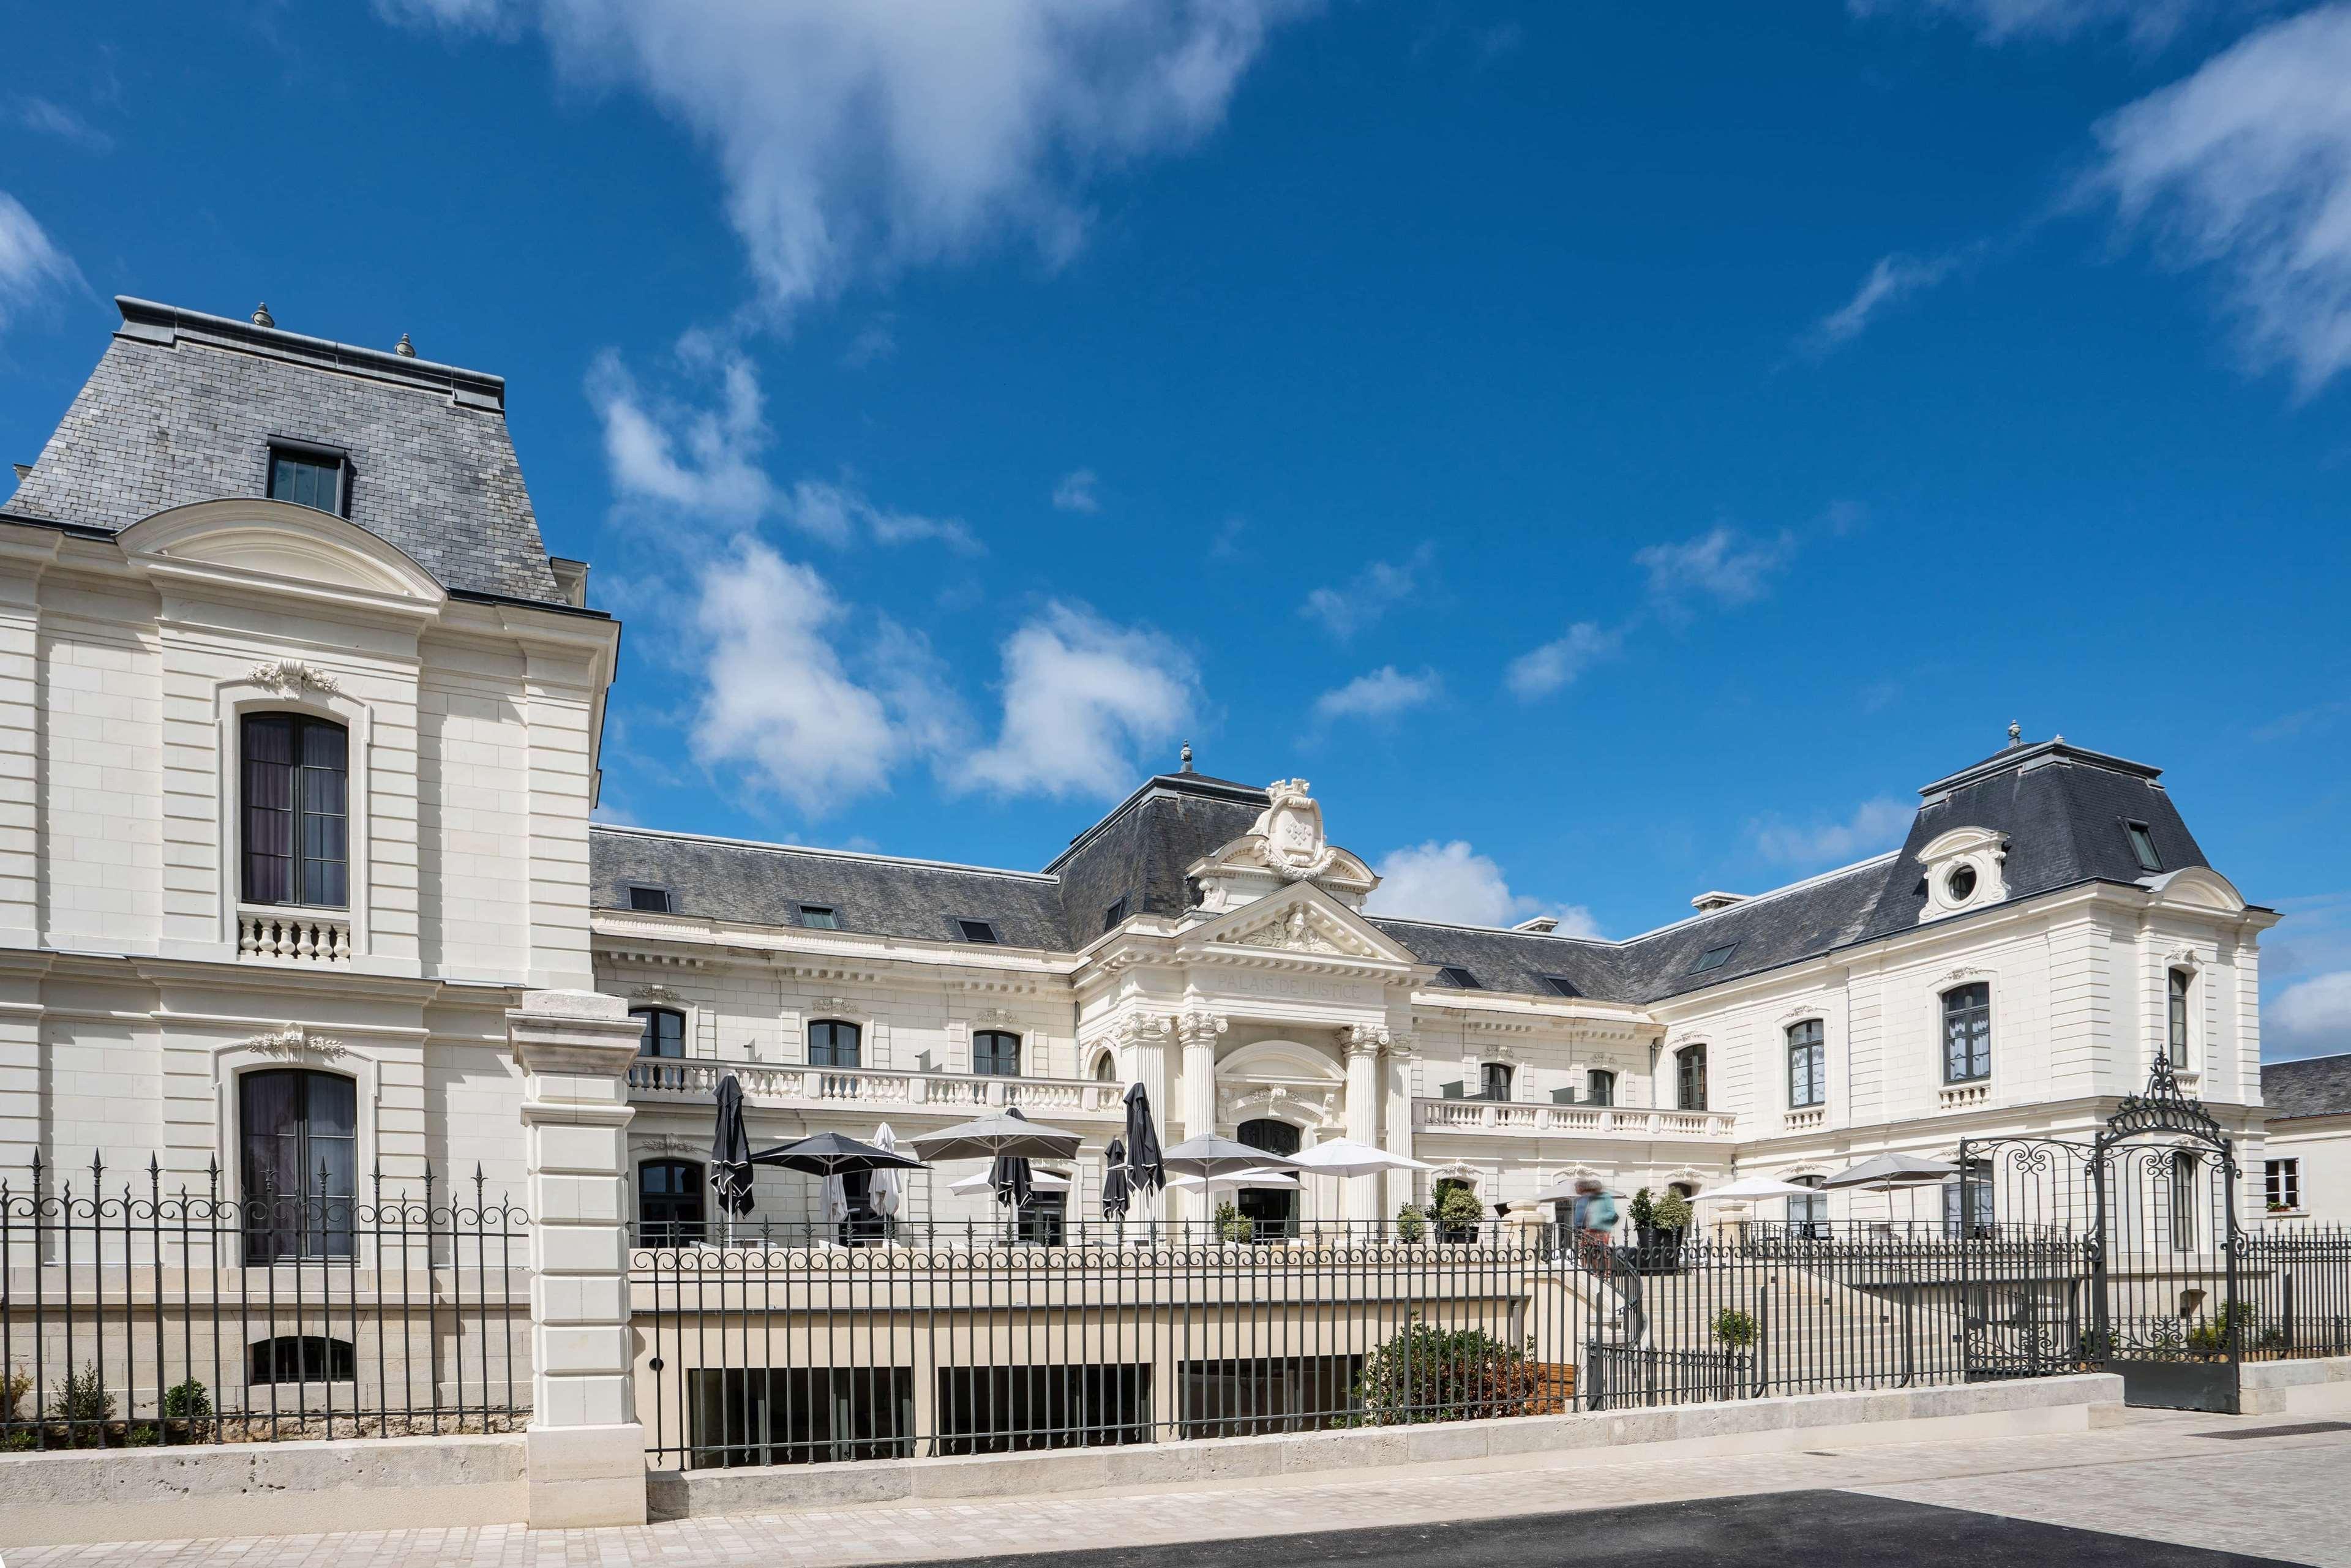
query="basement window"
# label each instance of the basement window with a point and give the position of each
(1713, 958)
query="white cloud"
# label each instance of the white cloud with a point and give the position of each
(2246, 166)
(1541, 671)
(1454, 884)
(1082, 696)
(30, 263)
(2149, 22)
(39, 115)
(1893, 278)
(777, 698)
(2311, 1016)
(1370, 594)
(875, 342)
(1383, 694)
(705, 462)
(1075, 493)
(1875, 824)
(856, 137)
(1722, 564)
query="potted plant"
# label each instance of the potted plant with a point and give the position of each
(1671, 1214)
(1734, 1329)
(1231, 1225)
(1459, 1214)
(1411, 1224)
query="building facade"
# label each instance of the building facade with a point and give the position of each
(2305, 1165)
(302, 729)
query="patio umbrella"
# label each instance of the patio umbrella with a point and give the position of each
(1346, 1158)
(1210, 1157)
(1752, 1189)
(1003, 1133)
(831, 1155)
(888, 1192)
(1888, 1172)
(1010, 1175)
(1262, 1176)
(1115, 1193)
(1147, 1171)
(1043, 1180)
(730, 1151)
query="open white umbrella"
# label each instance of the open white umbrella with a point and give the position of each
(1346, 1158)
(1264, 1177)
(1752, 1189)
(984, 1181)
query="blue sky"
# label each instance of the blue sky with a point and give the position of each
(1613, 451)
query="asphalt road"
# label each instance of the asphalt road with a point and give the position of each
(1799, 1529)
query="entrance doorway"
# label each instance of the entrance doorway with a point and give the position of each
(1272, 1212)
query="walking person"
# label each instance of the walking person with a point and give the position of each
(1594, 1221)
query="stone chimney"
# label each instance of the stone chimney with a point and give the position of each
(1708, 902)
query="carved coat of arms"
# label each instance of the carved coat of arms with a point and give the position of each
(1291, 829)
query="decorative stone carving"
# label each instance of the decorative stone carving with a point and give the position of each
(1292, 827)
(295, 1042)
(669, 1143)
(1199, 1026)
(292, 677)
(1286, 844)
(1364, 1038)
(1963, 869)
(1142, 1029)
(655, 994)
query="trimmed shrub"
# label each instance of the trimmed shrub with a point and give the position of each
(1430, 1373)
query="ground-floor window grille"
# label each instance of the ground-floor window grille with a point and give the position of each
(1011, 1409)
(806, 1416)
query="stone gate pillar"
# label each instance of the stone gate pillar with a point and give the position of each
(586, 1448)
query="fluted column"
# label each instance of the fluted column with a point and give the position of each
(1363, 1043)
(1142, 1047)
(1402, 1063)
(1198, 1029)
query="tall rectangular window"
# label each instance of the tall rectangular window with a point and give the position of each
(297, 825)
(299, 1133)
(307, 478)
(1600, 1086)
(1689, 1078)
(832, 1044)
(2283, 1182)
(2175, 1017)
(995, 1053)
(1967, 1033)
(1808, 1076)
(1494, 1080)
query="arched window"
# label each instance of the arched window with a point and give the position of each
(1494, 1081)
(1106, 1068)
(995, 1053)
(2178, 1017)
(296, 788)
(2183, 1200)
(1967, 1033)
(1689, 1078)
(298, 1132)
(301, 1358)
(1808, 1070)
(1600, 1087)
(661, 1032)
(832, 1044)
(1809, 1217)
(669, 1203)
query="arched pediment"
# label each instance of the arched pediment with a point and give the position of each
(248, 538)
(1279, 1062)
(2199, 886)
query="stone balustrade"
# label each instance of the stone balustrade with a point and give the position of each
(767, 1084)
(1511, 1118)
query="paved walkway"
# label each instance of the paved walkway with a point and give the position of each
(2157, 1478)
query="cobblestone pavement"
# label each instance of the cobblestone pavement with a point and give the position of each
(2154, 1477)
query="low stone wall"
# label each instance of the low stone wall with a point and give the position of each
(2318, 1387)
(1750, 1426)
(258, 1489)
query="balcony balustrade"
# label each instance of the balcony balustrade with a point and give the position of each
(658, 1079)
(1509, 1118)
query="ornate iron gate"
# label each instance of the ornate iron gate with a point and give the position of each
(2117, 1253)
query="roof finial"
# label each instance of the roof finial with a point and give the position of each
(2015, 734)
(261, 315)
(1186, 758)
(404, 349)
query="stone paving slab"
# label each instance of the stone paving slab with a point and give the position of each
(2152, 1477)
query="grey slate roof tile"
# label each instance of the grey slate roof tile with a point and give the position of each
(182, 407)
(2315, 1086)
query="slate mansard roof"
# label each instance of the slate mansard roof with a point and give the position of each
(2064, 810)
(183, 407)
(2315, 1086)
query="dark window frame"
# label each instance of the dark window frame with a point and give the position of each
(1560, 985)
(2141, 839)
(1600, 1086)
(1809, 1217)
(1453, 976)
(318, 1225)
(1115, 916)
(1952, 878)
(1713, 958)
(270, 832)
(675, 1218)
(292, 1358)
(1689, 1078)
(1000, 1062)
(1971, 1061)
(965, 924)
(649, 1033)
(2180, 991)
(816, 916)
(1808, 1064)
(668, 904)
(1494, 1075)
(831, 1045)
(312, 455)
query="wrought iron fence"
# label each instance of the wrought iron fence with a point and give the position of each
(157, 1311)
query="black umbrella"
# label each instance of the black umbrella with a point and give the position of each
(1145, 1172)
(830, 1154)
(1009, 1175)
(1116, 1192)
(730, 1151)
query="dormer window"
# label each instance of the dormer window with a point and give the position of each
(307, 477)
(1964, 869)
(819, 918)
(1714, 958)
(977, 931)
(1115, 916)
(1559, 985)
(644, 900)
(1961, 883)
(2142, 843)
(1454, 977)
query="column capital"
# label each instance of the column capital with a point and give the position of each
(1200, 1027)
(1365, 1038)
(1141, 1028)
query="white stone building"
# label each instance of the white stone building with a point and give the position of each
(301, 742)
(2306, 1166)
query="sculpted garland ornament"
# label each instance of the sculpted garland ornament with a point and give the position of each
(294, 1041)
(292, 677)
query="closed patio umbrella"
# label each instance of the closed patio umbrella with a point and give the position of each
(1010, 1175)
(730, 1152)
(1146, 1170)
(1116, 1195)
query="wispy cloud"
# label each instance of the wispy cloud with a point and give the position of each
(875, 341)
(1362, 599)
(2245, 166)
(858, 139)
(841, 513)
(2314, 720)
(1541, 671)
(1452, 883)
(1383, 694)
(1875, 824)
(31, 266)
(2148, 22)
(1891, 279)
(1076, 492)
(47, 119)
(1723, 564)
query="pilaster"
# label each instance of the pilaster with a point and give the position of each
(1363, 1043)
